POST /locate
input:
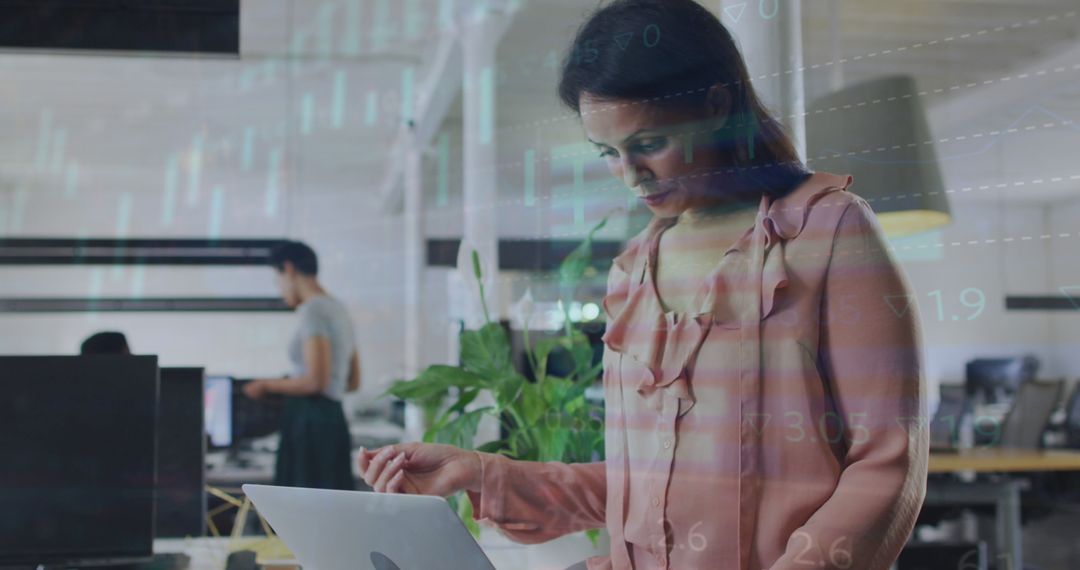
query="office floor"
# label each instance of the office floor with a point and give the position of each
(1053, 543)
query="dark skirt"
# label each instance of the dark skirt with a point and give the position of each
(316, 448)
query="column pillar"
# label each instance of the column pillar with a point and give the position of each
(769, 33)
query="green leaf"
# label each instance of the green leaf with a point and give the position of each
(542, 351)
(466, 398)
(559, 440)
(497, 446)
(575, 405)
(443, 419)
(593, 535)
(463, 506)
(453, 376)
(598, 444)
(580, 386)
(577, 344)
(434, 381)
(573, 266)
(531, 403)
(554, 390)
(461, 431)
(522, 446)
(476, 266)
(509, 389)
(487, 351)
(417, 390)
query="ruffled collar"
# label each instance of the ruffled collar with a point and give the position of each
(666, 343)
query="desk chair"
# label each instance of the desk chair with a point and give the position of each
(1072, 418)
(1029, 416)
(1065, 485)
(1023, 427)
(953, 405)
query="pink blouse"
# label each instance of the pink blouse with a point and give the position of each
(778, 427)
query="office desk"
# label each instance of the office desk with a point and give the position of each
(1004, 460)
(212, 553)
(1004, 495)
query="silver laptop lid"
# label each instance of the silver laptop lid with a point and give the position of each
(355, 530)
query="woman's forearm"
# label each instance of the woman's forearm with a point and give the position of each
(293, 386)
(533, 502)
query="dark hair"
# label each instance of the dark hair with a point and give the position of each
(107, 342)
(670, 52)
(301, 257)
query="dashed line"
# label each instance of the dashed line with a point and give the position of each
(1031, 22)
(995, 133)
(988, 241)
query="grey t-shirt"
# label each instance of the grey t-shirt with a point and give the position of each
(325, 317)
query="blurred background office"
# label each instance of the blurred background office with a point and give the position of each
(144, 183)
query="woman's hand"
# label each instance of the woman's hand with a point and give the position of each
(421, 469)
(256, 389)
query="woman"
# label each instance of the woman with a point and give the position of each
(762, 397)
(315, 449)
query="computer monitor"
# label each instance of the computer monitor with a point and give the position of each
(181, 496)
(232, 417)
(252, 419)
(218, 411)
(996, 380)
(78, 438)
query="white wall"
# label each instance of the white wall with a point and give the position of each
(357, 266)
(1064, 278)
(990, 270)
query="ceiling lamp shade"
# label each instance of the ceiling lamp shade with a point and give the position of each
(877, 131)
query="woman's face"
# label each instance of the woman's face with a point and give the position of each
(286, 284)
(666, 156)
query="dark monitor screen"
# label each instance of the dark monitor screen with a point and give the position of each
(181, 500)
(197, 26)
(78, 436)
(232, 418)
(995, 380)
(218, 411)
(252, 419)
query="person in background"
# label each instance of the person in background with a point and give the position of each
(315, 449)
(106, 342)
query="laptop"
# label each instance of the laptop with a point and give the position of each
(357, 530)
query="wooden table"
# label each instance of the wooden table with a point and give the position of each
(1003, 494)
(1005, 460)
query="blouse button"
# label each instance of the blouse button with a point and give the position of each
(656, 502)
(667, 444)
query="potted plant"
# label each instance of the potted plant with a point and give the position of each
(548, 419)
